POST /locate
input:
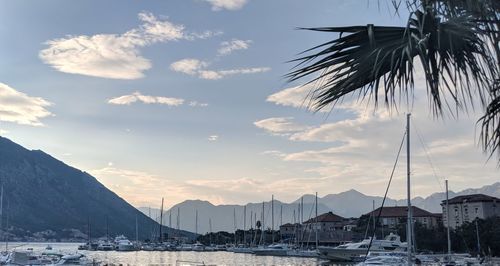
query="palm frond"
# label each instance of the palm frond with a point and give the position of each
(490, 123)
(454, 51)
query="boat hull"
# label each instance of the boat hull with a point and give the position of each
(345, 255)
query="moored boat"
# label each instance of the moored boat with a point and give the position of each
(272, 250)
(352, 251)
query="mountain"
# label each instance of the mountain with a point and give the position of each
(347, 204)
(222, 216)
(42, 195)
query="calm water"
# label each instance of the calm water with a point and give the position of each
(169, 257)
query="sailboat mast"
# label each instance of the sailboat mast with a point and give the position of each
(234, 224)
(136, 231)
(281, 214)
(302, 210)
(161, 220)
(272, 218)
(409, 237)
(373, 213)
(196, 223)
(244, 224)
(316, 222)
(448, 222)
(210, 228)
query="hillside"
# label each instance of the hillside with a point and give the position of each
(42, 193)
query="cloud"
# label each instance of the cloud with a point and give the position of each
(197, 104)
(138, 97)
(293, 96)
(228, 47)
(363, 147)
(213, 138)
(195, 67)
(115, 56)
(188, 66)
(279, 125)
(218, 5)
(20, 108)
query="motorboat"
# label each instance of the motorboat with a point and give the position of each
(105, 246)
(352, 251)
(272, 250)
(125, 245)
(75, 259)
(48, 247)
(198, 247)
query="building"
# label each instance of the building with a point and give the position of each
(467, 208)
(288, 231)
(330, 229)
(392, 217)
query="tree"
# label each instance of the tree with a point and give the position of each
(456, 42)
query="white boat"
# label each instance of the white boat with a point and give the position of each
(352, 251)
(185, 247)
(105, 246)
(125, 245)
(272, 250)
(75, 259)
(198, 247)
(241, 249)
(387, 258)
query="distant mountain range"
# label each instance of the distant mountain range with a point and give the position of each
(44, 197)
(350, 203)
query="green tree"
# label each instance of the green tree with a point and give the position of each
(456, 42)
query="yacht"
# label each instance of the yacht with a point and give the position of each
(75, 259)
(272, 250)
(352, 251)
(198, 247)
(105, 246)
(125, 245)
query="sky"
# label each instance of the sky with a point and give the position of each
(186, 99)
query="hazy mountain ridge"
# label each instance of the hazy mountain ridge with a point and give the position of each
(359, 203)
(42, 193)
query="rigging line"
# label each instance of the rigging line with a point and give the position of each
(386, 191)
(428, 156)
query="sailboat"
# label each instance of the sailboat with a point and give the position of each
(308, 253)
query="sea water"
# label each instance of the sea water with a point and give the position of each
(174, 258)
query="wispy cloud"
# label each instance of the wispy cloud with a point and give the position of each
(280, 125)
(228, 47)
(115, 56)
(138, 97)
(197, 104)
(17, 107)
(213, 138)
(218, 5)
(188, 66)
(195, 67)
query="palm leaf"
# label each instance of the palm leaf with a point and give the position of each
(454, 52)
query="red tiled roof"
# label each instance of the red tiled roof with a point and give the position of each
(400, 211)
(471, 198)
(326, 217)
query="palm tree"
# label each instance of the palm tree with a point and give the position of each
(456, 42)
